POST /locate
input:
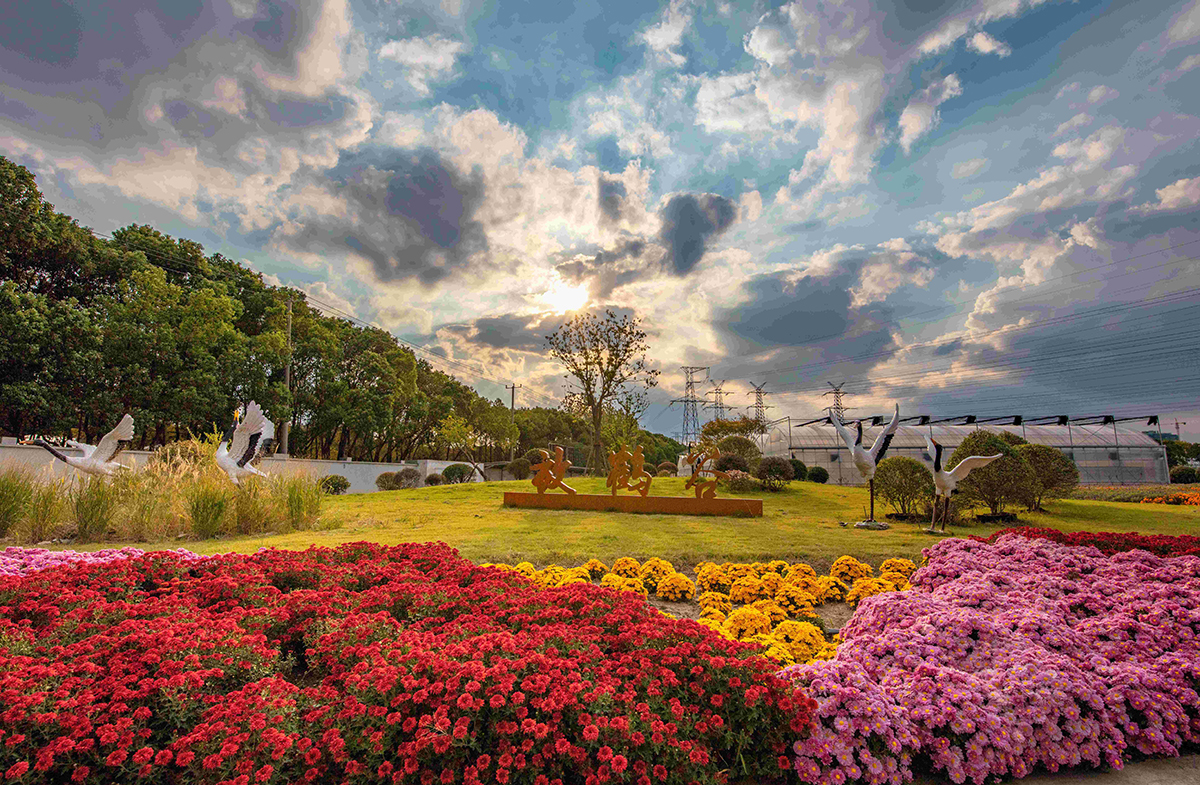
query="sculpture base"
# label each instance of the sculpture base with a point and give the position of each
(657, 505)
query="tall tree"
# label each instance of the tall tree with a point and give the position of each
(606, 357)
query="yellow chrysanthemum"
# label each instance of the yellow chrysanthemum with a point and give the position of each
(595, 568)
(850, 569)
(525, 568)
(903, 566)
(795, 600)
(777, 565)
(746, 623)
(634, 585)
(799, 568)
(737, 571)
(717, 627)
(826, 652)
(804, 582)
(747, 590)
(759, 568)
(716, 600)
(712, 614)
(802, 639)
(710, 577)
(771, 610)
(771, 581)
(611, 580)
(626, 567)
(653, 571)
(676, 588)
(898, 580)
(832, 589)
(867, 587)
(774, 650)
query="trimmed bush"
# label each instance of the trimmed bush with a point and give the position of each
(903, 483)
(1054, 474)
(774, 472)
(520, 469)
(534, 456)
(740, 445)
(670, 468)
(732, 462)
(740, 482)
(334, 484)
(434, 479)
(799, 470)
(1184, 475)
(664, 473)
(457, 473)
(818, 474)
(386, 481)
(408, 477)
(1005, 481)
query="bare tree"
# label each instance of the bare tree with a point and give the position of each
(607, 360)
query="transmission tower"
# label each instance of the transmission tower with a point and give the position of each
(838, 408)
(718, 405)
(760, 409)
(691, 414)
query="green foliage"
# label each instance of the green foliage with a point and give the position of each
(334, 484)
(713, 431)
(408, 477)
(253, 509)
(799, 470)
(1054, 474)
(740, 482)
(386, 481)
(1184, 475)
(818, 474)
(207, 502)
(300, 497)
(732, 462)
(16, 486)
(434, 479)
(93, 503)
(740, 445)
(1010, 438)
(1179, 453)
(456, 473)
(774, 472)
(1005, 481)
(520, 469)
(903, 483)
(669, 467)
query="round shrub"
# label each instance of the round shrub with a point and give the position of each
(1184, 474)
(1007, 480)
(903, 483)
(740, 482)
(334, 484)
(520, 469)
(665, 473)
(799, 470)
(386, 481)
(774, 472)
(1054, 474)
(408, 477)
(740, 445)
(818, 474)
(457, 473)
(732, 462)
(534, 456)
(434, 479)
(668, 467)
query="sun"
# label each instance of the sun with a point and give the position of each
(561, 298)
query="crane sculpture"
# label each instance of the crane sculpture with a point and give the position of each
(96, 460)
(945, 482)
(866, 460)
(244, 444)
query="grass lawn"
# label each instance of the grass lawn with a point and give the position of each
(799, 524)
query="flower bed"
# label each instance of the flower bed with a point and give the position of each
(1109, 542)
(1185, 499)
(1006, 656)
(367, 664)
(21, 561)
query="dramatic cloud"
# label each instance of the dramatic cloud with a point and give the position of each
(689, 223)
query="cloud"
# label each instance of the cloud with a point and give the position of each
(1179, 195)
(425, 60)
(921, 115)
(688, 224)
(606, 271)
(986, 45)
(610, 195)
(1101, 93)
(520, 332)
(1078, 121)
(665, 37)
(968, 168)
(1186, 25)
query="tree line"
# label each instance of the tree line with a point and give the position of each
(144, 323)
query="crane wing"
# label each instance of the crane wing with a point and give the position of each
(114, 441)
(843, 431)
(879, 448)
(86, 449)
(250, 428)
(259, 444)
(967, 465)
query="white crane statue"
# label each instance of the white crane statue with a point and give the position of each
(99, 459)
(945, 482)
(866, 460)
(244, 444)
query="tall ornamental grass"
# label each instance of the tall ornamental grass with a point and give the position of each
(93, 503)
(16, 486)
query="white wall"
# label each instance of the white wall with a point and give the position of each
(361, 474)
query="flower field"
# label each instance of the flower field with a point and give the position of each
(1010, 655)
(22, 561)
(370, 664)
(1110, 542)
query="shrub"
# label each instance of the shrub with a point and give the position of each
(16, 486)
(207, 502)
(799, 470)
(434, 479)
(457, 473)
(93, 503)
(732, 462)
(668, 467)
(774, 472)
(386, 481)
(740, 445)
(740, 482)
(818, 474)
(520, 469)
(1054, 474)
(903, 483)
(334, 484)
(408, 477)
(534, 456)
(1007, 480)
(1010, 438)
(664, 473)
(1184, 475)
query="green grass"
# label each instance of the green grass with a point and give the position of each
(799, 523)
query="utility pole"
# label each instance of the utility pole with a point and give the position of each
(691, 416)
(287, 383)
(512, 416)
(1177, 436)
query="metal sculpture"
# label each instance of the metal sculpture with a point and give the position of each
(866, 460)
(551, 473)
(699, 460)
(625, 466)
(945, 482)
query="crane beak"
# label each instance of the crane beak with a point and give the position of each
(25, 441)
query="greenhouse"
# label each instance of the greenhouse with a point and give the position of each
(1106, 450)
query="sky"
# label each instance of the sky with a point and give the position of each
(982, 207)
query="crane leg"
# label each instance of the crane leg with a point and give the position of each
(871, 487)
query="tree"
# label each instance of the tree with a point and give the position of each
(1054, 474)
(1007, 480)
(460, 438)
(1179, 453)
(903, 483)
(607, 358)
(714, 431)
(740, 445)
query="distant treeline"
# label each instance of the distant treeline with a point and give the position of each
(143, 323)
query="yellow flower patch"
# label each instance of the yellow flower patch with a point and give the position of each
(595, 568)
(676, 588)
(710, 577)
(747, 590)
(745, 623)
(850, 569)
(867, 587)
(716, 600)
(771, 610)
(802, 639)
(903, 566)
(626, 567)
(794, 600)
(654, 570)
